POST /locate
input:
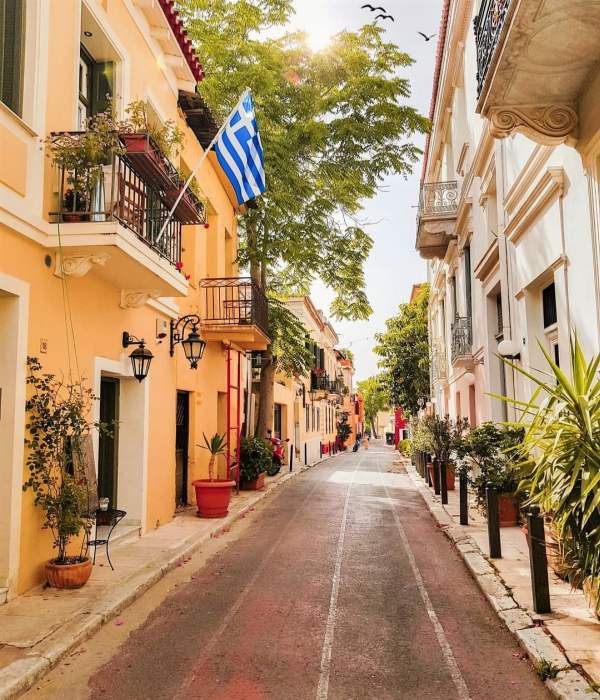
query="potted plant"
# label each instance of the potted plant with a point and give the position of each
(489, 454)
(255, 458)
(561, 461)
(57, 428)
(444, 439)
(344, 430)
(213, 494)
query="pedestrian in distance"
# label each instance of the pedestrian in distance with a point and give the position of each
(365, 441)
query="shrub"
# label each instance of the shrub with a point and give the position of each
(256, 457)
(405, 447)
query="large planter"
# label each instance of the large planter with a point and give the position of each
(147, 160)
(189, 209)
(508, 510)
(254, 485)
(68, 575)
(591, 595)
(212, 497)
(450, 477)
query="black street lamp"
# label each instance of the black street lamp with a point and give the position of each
(140, 358)
(193, 345)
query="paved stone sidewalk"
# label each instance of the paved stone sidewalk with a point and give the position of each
(41, 627)
(506, 582)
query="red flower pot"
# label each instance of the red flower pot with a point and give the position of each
(212, 497)
(450, 477)
(508, 510)
(73, 575)
(255, 485)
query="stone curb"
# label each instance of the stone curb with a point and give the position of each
(21, 674)
(569, 684)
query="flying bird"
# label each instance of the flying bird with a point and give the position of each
(362, 7)
(427, 38)
(385, 17)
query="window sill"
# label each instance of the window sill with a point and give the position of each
(17, 119)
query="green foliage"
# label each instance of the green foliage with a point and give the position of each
(489, 454)
(405, 447)
(546, 669)
(443, 435)
(288, 335)
(561, 457)
(348, 354)
(216, 446)
(333, 125)
(256, 456)
(420, 436)
(374, 395)
(57, 426)
(166, 135)
(404, 352)
(344, 430)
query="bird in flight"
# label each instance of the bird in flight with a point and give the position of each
(427, 38)
(362, 7)
(385, 17)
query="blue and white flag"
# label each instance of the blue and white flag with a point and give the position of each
(240, 152)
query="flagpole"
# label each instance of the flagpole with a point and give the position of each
(198, 164)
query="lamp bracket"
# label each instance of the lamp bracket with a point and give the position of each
(129, 339)
(178, 329)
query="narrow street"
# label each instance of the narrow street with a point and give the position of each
(340, 587)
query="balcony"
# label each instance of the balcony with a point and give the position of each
(319, 383)
(536, 59)
(439, 364)
(234, 309)
(436, 219)
(462, 343)
(112, 215)
(335, 388)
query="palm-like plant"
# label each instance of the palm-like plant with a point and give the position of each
(216, 446)
(561, 470)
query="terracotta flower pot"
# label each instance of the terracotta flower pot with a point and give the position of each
(68, 575)
(74, 217)
(212, 497)
(508, 510)
(254, 485)
(450, 477)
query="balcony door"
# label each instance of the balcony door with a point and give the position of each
(108, 453)
(181, 448)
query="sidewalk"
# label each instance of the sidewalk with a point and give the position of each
(571, 625)
(42, 626)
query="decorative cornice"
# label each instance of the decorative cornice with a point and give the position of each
(78, 265)
(550, 185)
(488, 261)
(549, 125)
(526, 176)
(136, 298)
(555, 265)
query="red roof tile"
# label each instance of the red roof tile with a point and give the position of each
(185, 44)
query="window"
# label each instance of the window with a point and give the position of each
(95, 86)
(467, 269)
(549, 305)
(318, 419)
(12, 44)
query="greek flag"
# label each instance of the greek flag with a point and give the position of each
(239, 151)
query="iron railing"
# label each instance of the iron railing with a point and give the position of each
(116, 192)
(488, 28)
(439, 363)
(336, 386)
(319, 381)
(462, 338)
(438, 199)
(233, 301)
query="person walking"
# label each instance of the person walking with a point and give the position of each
(365, 441)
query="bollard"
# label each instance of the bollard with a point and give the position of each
(436, 477)
(464, 499)
(305, 456)
(291, 457)
(537, 561)
(443, 481)
(493, 522)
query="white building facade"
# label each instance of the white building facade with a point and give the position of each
(509, 216)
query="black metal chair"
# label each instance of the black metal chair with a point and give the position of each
(105, 518)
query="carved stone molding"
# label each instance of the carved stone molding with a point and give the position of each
(548, 125)
(78, 265)
(136, 298)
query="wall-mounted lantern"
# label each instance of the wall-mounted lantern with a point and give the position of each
(140, 358)
(193, 345)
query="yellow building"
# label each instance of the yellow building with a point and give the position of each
(74, 276)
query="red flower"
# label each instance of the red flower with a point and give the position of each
(179, 265)
(187, 276)
(207, 225)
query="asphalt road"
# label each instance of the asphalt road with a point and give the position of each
(341, 587)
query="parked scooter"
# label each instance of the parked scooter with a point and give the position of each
(277, 454)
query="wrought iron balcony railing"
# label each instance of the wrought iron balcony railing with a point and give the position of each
(319, 380)
(438, 199)
(489, 24)
(439, 364)
(233, 301)
(462, 338)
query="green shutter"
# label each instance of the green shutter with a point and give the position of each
(12, 39)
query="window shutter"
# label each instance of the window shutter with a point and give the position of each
(12, 39)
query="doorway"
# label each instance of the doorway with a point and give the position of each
(181, 448)
(108, 443)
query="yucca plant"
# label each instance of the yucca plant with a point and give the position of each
(216, 446)
(561, 470)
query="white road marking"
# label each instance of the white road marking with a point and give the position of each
(323, 687)
(457, 677)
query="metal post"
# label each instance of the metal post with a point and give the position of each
(537, 561)
(493, 522)
(291, 457)
(464, 499)
(436, 477)
(442, 479)
(305, 456)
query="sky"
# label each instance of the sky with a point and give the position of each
(394, 265)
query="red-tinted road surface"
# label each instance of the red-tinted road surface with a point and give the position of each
(343, 587)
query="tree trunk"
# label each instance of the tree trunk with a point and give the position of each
(373, 430)
(266, 394)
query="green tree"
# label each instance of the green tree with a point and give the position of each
(333, 125)
(376, 399)
(404, 352)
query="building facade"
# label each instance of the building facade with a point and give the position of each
(81, 268)
(509, 204)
